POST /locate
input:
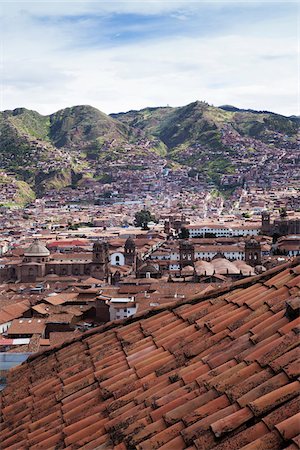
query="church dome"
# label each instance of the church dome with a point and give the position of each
(148, 268)
(37, 249)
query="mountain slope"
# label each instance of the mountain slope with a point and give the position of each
(57, 150)
(83, 126)
(201, 123)
(49, 148)
(208, 139)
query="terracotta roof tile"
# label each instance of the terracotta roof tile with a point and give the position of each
(285, 411)
(294, 324)
(215, 313)
(200, 346)
(181, 411)
(269, 441)
(240, 373)
(95, 442)
(274, 398)
(176, 443)
(267, 322)
(153, 389)
(20, 445)
(168, 392)
(231, 422)
(229, 351)
(220, 380)
(192, 371)
(191, 432)
(239, 296)
(127, 418)
(253, 318)
(193, 312)
(240, 389)
(148, 431)
(281, 345)
(253, 353)
(294, 282)
(205, 439)
(203, 379)
(161, 411)
(209, 408)
(292, 447)
(51, 437)
(268, 331)
(293, 369)
(161, 438)
(243, 438)
(231, 318)
(79, 411)
(267, 386)
(296, 440)
(283, 275)
(212, 371)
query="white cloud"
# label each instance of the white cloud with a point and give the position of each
(45, 68)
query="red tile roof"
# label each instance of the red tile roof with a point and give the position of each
(26, 327)
(216, 371)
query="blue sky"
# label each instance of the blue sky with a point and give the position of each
(126, 55)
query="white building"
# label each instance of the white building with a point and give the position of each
(222, 230)
(121, 307)
(117, 259)
(231, 252)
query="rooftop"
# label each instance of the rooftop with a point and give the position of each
(216, 371)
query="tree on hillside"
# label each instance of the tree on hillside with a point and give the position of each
(142, 218)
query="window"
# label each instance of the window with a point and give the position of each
(118, 258)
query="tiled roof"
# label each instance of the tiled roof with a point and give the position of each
(26, 326)
(13, 311)
(218, 371)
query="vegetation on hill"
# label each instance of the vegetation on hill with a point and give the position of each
(60, 149)
(86, 127)
(14, 191)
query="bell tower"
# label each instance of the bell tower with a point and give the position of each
(265, 222)
(129, 252)
(100, 260)
(186, 254)
(253, 253)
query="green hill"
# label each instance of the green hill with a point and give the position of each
(43, 149)
(53, 151)
(200, 123)
(84, 126)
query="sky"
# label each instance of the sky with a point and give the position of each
(123, 55)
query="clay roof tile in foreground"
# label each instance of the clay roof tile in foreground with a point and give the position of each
(216, 371)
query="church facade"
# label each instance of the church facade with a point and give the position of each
(37, 263)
